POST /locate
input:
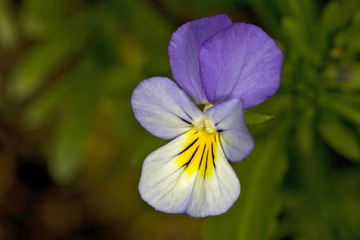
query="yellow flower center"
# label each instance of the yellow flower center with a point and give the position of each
(200, 149)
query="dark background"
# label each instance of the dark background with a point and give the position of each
(71, 150)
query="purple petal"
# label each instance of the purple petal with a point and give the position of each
(240, 61)
(228, 119)
(184, 48)
(163, 109)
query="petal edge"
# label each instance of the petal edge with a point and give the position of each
(162, 108)
(240, 61)
(228, 118)
(183, 52)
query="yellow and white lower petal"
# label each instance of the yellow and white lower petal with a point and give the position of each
(190, 174)
(163, 183)
(215, 194)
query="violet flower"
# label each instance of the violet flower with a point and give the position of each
(227, 67)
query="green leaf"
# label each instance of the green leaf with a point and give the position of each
(68, 144)
(295, 34)
(318, 202)
(303, 11)
(37, 66)
(64, 160)
(340, 138)
(46, 106)
(346, 106)
(331, 18)
(154, 33)
(8, 32)
(253, 118)
(253, 216)
(268, 12)
(305, 133)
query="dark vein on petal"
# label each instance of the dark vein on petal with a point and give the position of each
(207, 155)
(184, 120)
(212, 154)
(222, 120)
(168, 111)
(180, 105)
(202, 155)
(187, 164)
(188, 147)
(188, 115)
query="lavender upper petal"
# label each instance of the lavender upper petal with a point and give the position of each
(240, 61)
(184, 48)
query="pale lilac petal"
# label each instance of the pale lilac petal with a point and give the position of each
(163, 109)
(228, 119)
(184, 48)
(240, 61)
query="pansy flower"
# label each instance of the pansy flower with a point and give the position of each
(224, 68)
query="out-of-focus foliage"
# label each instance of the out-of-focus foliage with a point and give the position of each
(71, 150)
(315, 131)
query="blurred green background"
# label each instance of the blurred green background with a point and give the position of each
(71, 150)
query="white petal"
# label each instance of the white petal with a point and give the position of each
(216, 194)
(163, 183)
(180, 176)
